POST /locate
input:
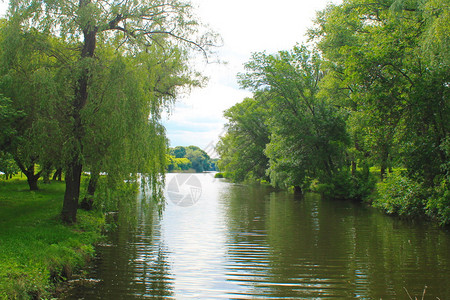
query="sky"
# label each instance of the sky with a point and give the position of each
(246, 26)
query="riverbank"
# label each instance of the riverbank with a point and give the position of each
(36, 249)
(396, 195)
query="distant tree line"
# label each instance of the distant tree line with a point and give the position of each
(189, 158)
(371, 91)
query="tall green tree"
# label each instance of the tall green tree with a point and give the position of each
(30, 78)
(307, 136)
(383, 73)
(388, 69)
(123, 91)
(435, 39)
(242, 147)
(133, 29)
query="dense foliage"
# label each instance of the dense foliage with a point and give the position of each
(83, 85)
(242, 150)
(370, 92)
(188, 158)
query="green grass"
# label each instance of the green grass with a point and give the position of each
(36, 249)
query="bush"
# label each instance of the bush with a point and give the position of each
(438, 206)
(325, 189)
(364, 183)
(345, 186)
(218, 175)
(400, 195)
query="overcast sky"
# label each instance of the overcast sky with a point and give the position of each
(246, 26)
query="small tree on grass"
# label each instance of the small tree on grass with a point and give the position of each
(30, 79)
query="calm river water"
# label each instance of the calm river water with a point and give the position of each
(250, 242)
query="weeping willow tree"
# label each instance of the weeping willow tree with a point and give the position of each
(129, 62)
(124, 135)
(33, 81)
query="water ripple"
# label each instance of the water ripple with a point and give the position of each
(240, 242)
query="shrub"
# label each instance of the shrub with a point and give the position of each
(345, 186)
(364, 183)
(325, 189)
(438, 205)
(400, 195)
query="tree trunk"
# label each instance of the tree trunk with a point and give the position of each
(298, 190)
(32, 178)
(57, 175)
(384, 162)
(32, 182)
(73, 173)
(72, 193)
(88, 200)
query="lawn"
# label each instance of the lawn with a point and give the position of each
(36, 249)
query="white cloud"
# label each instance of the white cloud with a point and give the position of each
(3, 8)
(199, 120)
(246, 26)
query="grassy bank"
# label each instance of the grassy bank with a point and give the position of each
(36, 249)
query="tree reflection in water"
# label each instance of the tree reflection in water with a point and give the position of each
(250, 242)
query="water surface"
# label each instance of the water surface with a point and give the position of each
(251, 242)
